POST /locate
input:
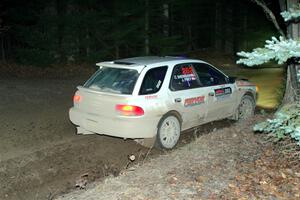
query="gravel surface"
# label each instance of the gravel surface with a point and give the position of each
(202, 169)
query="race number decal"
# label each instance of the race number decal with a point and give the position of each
(186, 74)
(194, 101)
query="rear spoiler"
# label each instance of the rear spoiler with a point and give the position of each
(139, 68)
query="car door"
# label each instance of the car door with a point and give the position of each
(221, 94)
(187, 96)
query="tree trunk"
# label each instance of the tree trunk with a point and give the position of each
(229, 29)
(218, 25)
(293, 28)
(291, 93)
(117, 51)
(244, 29)
(292, 88)
(2, 48)
(166, 19)
(2, 34)
(147, 48)
(60, 10)
(190, 38)
(87, 37)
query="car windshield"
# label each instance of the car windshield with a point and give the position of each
(113, 80)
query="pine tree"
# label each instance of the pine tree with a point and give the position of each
(286, 49)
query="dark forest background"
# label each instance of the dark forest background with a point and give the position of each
(38, 32)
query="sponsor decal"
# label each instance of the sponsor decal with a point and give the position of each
(158, 84)
(151, 97)
(223, 92)
(194, 101)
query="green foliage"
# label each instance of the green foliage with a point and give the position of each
(286, 123)
(292, 13)
(279, 50)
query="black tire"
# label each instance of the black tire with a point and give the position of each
(168, 132)
(246, 108)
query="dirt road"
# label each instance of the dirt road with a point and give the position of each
(228, 163)
(40, 154)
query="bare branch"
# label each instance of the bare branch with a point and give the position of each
(271, 16)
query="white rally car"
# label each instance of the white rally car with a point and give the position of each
(158, 97)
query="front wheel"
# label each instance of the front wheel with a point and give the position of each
(168, 132)
(246, 108)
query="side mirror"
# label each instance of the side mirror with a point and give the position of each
(231, 79)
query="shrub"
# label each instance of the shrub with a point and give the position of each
(286, 123)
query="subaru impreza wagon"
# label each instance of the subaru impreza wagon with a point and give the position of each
(158, 97)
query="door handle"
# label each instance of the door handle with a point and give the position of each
(177, 100)
(211, 94)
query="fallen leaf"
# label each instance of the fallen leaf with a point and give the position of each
(283, 175)
(173, 180)
(199, 179)
(263, 182)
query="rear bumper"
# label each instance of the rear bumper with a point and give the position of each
(120, 126)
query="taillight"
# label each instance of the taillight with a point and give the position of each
(77, 98)
(129, 110)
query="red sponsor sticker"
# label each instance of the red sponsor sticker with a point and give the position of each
(219, 91)
(151, 97)
(194, 101)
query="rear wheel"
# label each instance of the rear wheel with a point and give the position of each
(246, 108)
(168, 132)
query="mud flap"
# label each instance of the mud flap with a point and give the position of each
(82, 131)
(146, 142)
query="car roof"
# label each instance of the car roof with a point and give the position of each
(146, 60)
(139, 63)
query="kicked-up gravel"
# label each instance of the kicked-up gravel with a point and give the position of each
(202, 169)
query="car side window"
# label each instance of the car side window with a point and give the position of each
(184, 77)
(153, 80)
(209, 76)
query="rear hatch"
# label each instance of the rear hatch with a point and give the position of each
(98, 103)
(105, 89)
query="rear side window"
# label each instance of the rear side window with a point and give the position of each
(184, 77)
(209, 76)
(153, 80)
(113, 80)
